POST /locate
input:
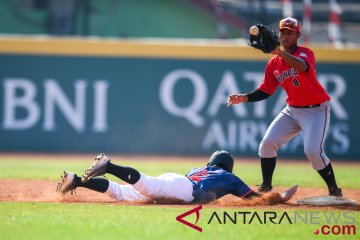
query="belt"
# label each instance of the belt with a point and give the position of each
(309, 106)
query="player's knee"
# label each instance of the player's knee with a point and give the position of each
(312, 154)
(114, 191)
(268, 148)
(143, 185)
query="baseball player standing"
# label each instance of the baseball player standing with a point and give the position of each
(200, 185)
(307, 110)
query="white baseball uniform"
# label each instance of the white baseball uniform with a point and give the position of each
(167, 186)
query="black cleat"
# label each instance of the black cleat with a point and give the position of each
(98, 168)
(264, 188)
(66, 183)
(335, 192)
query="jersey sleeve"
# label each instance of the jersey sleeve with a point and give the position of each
(269, 83)
(238, 187)
(308, 56)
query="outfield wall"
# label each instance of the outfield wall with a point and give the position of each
(155, 97)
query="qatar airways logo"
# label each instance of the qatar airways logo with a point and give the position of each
(243, 130)
(286, 74)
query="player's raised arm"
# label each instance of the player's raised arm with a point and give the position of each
(295, 62)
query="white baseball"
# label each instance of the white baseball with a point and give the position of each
(254, 30)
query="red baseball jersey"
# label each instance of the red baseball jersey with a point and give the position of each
(302, 88)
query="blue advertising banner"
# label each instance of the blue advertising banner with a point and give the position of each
(145, 105)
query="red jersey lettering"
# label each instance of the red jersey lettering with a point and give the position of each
(302, 88)
(198, 176)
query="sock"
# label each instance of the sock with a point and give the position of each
(267, 169)
(97, 184)
(127, 174)
(328, 175)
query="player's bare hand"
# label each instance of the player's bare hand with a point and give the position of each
(236, 99)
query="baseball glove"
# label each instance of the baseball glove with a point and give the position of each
(266, 40)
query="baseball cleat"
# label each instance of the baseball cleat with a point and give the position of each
(98, 168)
(288, 194)
(335, 192)
(66, 184)
(264, 188)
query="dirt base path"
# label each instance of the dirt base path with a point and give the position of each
(44, 191)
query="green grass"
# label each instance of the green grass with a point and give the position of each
(286, 174)
(115, 221)
(96, 221)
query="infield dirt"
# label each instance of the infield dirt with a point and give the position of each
(20, 190)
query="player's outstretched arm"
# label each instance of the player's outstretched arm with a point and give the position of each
(271, 198)
(254, 96)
